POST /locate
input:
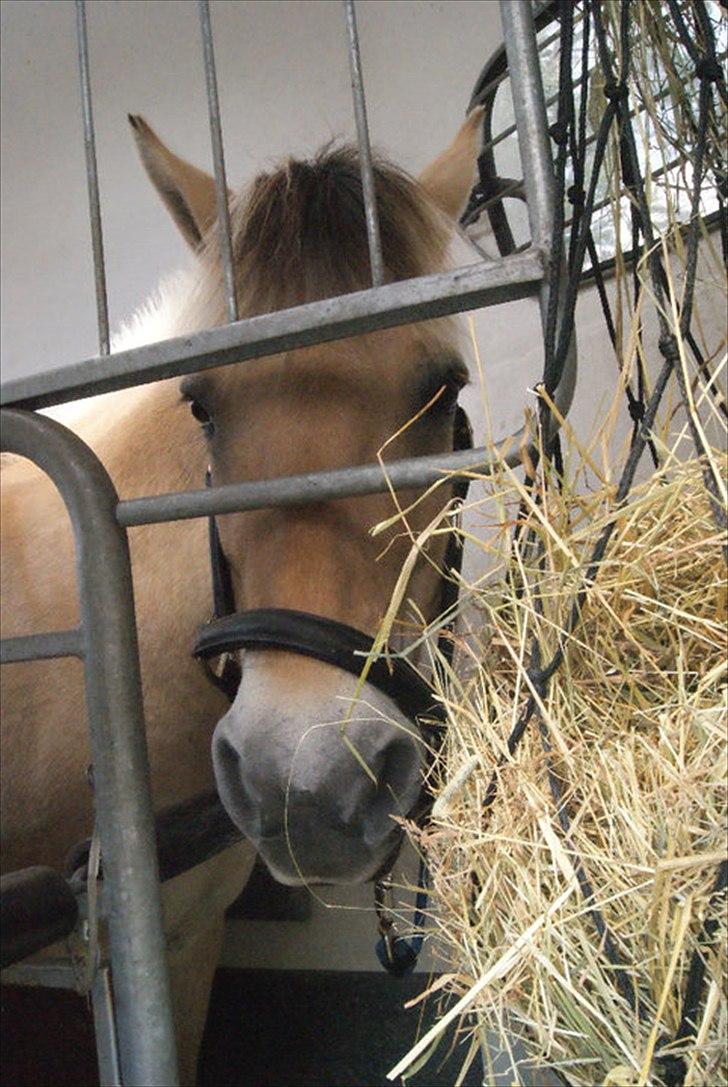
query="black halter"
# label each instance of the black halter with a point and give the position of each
(314, 635)
(347, 648)
(325, 640)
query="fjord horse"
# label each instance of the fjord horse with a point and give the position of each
(316, 804)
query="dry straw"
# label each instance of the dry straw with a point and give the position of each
(630, 739)
(636, 726)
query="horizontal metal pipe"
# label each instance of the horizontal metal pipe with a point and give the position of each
(314, 487)
(36, 647)
(317, 322)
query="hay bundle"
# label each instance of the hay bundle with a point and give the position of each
(633, 748)
(577, 862)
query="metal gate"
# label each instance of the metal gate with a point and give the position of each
(134, 1035)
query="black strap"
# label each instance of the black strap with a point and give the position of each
(227, 675)
(323, 639)
(316, 636)
(223, 596)
(462, 439)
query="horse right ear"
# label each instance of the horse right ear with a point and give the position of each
(188, 193)
(449, 179)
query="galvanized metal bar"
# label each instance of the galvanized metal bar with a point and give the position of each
(107, 1051)
(519, 35)
(300, 490)
(92, 181)
(481, 284)
(521, 47)
(218, 158)
(365, 149)
(118, 745)
(31, 647)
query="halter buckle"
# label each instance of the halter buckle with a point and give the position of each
(385, 922)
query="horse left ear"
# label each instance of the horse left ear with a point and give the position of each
(188, 193)
(449, 178)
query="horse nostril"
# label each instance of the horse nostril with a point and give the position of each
(227, 759)
(398, 777)
(229, 777)
(247, 787)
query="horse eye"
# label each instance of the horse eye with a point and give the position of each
(448, 390)
(450, 393)
(441, 385)
(203, 417)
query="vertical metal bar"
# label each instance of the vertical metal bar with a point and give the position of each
(218, 158)
(107, 1053)
(92, 181)
(529, 107)
(519, 33)
(365, 150)
(118, 745)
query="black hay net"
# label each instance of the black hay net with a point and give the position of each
(602, 97)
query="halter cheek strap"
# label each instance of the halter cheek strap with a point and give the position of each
(227, 674)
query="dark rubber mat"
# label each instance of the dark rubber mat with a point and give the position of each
(265, 1029)
(320, 1029)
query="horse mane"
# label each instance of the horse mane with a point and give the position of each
(299, 235)
(299, 232)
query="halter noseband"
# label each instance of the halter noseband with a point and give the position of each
(344, 647)
(325, 640)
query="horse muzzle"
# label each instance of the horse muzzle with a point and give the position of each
(315, 773)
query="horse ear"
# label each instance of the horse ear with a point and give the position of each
(449, 178)
(188, 193)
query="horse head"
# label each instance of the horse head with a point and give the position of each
(311, 765)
